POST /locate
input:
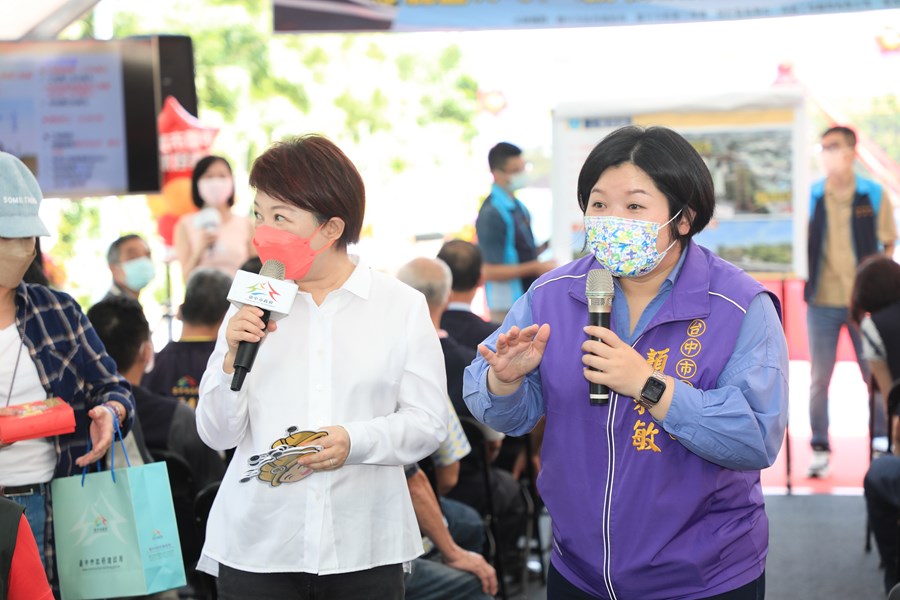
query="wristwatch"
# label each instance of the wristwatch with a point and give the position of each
(653, 390)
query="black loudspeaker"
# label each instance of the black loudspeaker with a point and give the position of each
(176, 70)
(172, 57)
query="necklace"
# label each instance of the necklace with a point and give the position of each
(15, 370)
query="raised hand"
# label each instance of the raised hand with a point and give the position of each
(519, 351)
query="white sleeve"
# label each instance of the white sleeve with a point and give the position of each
(222, 415)
(420, 422)
(873, 345)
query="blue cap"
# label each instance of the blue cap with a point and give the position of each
(20, 199)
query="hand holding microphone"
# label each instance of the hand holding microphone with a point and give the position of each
(207, 221)
(599, 291)
(259, 297)
(607, 357)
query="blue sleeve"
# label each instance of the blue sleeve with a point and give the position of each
(740, 424)
(102, 381)
(491, 230)
(517, 413)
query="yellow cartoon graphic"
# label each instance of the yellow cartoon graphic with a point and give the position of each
(279, 464)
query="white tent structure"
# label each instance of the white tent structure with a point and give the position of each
(39, 19)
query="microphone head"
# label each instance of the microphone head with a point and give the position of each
(273, 269)
(599, 283)
(207, 218)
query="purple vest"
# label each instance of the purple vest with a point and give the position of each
(635, 514)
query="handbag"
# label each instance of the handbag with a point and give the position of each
(116, 533)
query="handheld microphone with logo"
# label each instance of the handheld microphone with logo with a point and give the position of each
(267, 291)
(599, 291)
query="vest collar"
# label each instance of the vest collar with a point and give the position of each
(690, 295)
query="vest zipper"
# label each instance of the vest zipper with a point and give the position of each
(607, 494)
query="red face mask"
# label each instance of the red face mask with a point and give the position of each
(293, 251)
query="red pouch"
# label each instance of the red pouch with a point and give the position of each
(45, 418)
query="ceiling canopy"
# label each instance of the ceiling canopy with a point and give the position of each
(39, 19)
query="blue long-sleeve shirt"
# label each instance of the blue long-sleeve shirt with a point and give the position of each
(739, 424)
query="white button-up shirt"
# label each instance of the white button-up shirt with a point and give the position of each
(367, 359)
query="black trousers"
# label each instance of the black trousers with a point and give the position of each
(381, 582)
(558, 588)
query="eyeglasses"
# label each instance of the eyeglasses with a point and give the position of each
(829, 148)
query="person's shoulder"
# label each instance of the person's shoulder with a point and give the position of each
(729, 281)
(488, 210)
(868, 187)
(182, 348)
(147, 396)
(452, 347)
(721, 272)
(45, 299)
(383, 282)
(564, 274)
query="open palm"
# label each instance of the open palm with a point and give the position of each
(519, 351)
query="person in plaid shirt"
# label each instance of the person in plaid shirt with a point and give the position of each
(47, 349)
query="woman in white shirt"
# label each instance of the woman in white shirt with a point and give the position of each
(356, 358)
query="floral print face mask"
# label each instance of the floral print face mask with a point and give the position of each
(625, 247)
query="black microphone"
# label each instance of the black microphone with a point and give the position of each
(246, 353)
(599, 291)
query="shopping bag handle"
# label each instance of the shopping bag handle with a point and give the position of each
(117, 432)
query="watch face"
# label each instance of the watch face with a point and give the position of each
(653, 390)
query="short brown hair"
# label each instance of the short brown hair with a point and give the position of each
(313, 174)
(876, 286)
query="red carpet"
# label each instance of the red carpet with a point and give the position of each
(849, 461)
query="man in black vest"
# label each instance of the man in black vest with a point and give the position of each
(463, 325)
(846, 212)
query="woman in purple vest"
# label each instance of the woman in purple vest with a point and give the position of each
(656, 493)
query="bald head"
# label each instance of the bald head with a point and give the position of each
(432, 277)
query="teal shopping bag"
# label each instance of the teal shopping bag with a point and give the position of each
(116, 533)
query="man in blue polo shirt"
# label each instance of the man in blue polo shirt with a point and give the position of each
(504, 233)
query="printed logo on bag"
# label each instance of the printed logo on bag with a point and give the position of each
(100, 524)
(157, 534)
(97, 521)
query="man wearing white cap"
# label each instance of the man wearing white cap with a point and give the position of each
(47, 349)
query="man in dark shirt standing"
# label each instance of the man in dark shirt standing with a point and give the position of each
(179, 366)
(463, 325)
(504, 233)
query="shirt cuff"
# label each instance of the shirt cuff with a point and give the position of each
(680, 419)
(500, 404)
(360, 442)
